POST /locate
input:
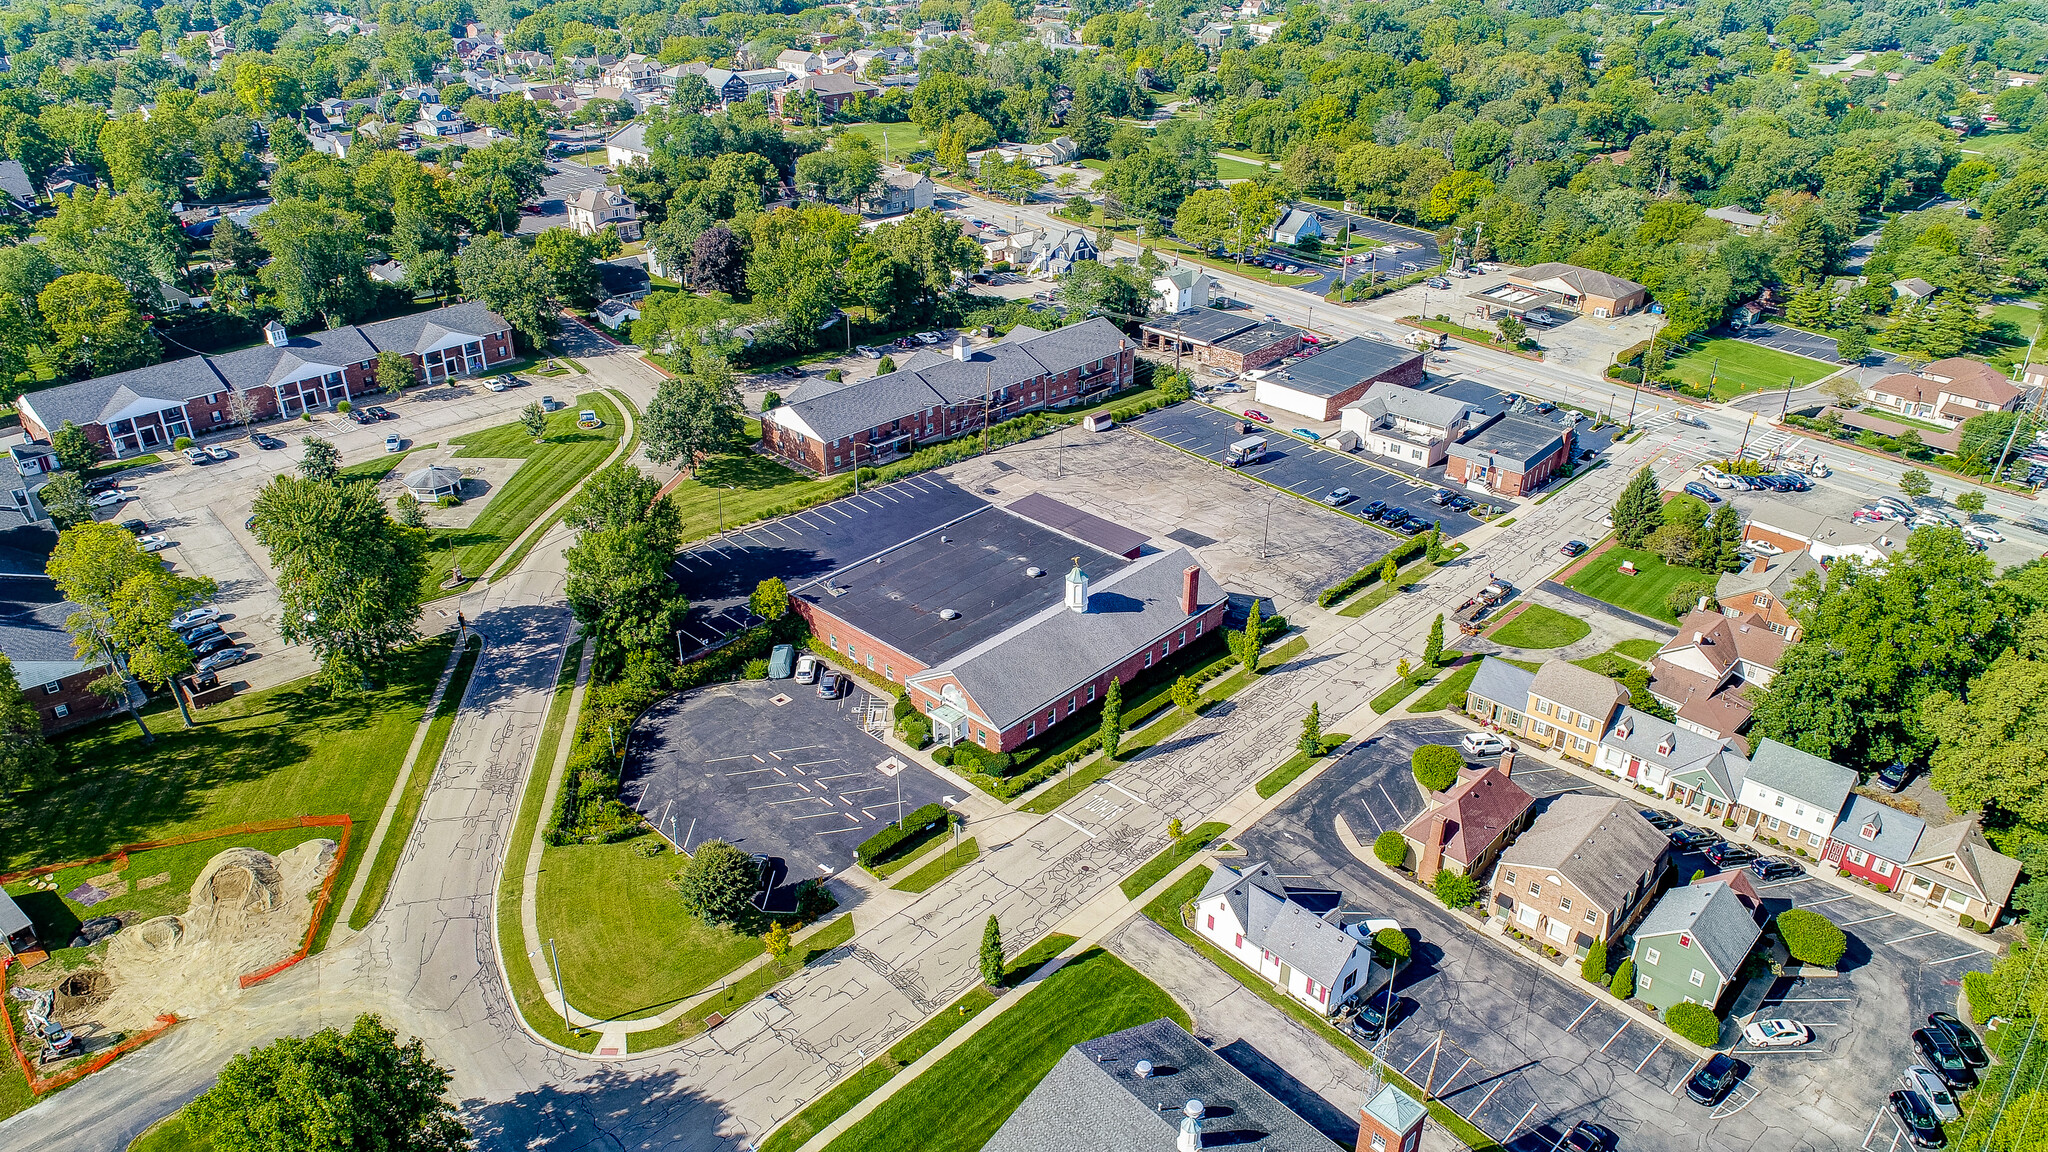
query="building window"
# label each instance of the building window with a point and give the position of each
(1511, 878)
(1699, 978)
(1240, 941)
(61, 711)
(1882, 867)
(1535, 888)
(1650, 955)
(835, 642)
(1774, 823)
(1543, 707)
(1815, 838)
(1350, 979)
(1030, 729)
(1645, 982)
(1212, 921)
(54, 687)
(1091, 693)
(1592, 916)
(888, 672)
(1148, 656)
(1564, 904)
(1857, 856)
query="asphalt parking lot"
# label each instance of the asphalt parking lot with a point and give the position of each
(1298, 466)
(1525, 1053)
(1811, 345)
(719, 574)
(768, 766)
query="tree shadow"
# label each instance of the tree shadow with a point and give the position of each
(1299, 1097)
(747, 471)
(611, 1106)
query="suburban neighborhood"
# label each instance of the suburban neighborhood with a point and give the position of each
(971, 576)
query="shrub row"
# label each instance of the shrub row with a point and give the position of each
(883, 844)
(1402, 553)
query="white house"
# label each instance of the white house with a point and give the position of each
(1182, 289)
(1405, 424)
(618, 312)
(799, 63)
(1696, 770)
(1249, 915)
(591, 210)
(1792, 796)
(900, 192)
(627, 145)
(1296, 225)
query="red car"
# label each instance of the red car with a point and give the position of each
(1255, 414)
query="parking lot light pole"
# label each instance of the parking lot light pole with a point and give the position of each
(561, 990)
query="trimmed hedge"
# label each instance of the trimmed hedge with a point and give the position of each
(883, 844)
(1436, 766)
(1402, 553)
(1391, 849)
(1812, 938)
(1695, 1022)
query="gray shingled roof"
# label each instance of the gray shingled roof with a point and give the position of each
(1714, 915)
(1384, 400)
(1093, 1101)
(32, 631)
(1599, 844)
(1012, 674)
(1641, 734)
(1302, 940)
(422, 330)
(1516, 442)
(1502, 682)
(1801, 775)
(1896, 832)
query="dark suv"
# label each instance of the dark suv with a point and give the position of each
(1715, 1079)
(1959, 1034)
(1940, 1053)
(1916, 1118)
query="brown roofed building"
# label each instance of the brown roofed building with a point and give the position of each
(1955, 869)
(1473, 823)
(1947, 392)
(1582, 872)
(1583, 290)
(1570, 708)
(1701, 674)
(1760, 590)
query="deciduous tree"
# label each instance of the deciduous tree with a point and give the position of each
(499, 271)
(65, 500)
(351, 579)
(694, 416)
(95, 325)
(1433, 647)
(316, 261)
(395, 372)
(1991, 740)
(75, 450)
(126, 600)
(25, 757)
(361, 1088)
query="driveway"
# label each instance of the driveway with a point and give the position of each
(1298, 466)
(768, 766)
(1525, 1052)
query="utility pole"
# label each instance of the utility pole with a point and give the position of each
(560, 989)
(1786, 406)
(2020, 417)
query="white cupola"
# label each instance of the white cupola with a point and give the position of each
(1077, 588)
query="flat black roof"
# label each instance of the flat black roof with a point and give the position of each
(1265, 335)
(1344, 366)
(1202, 325)
(1107, 535)
(1524, 439)
(977, 567)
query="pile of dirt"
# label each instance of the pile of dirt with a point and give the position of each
(248, 910)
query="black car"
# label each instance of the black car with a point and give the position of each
(1461, 503)
(362, 417)
(1722, 855)
(136, 526)
(1693, 838)
(1376, 1016)
(1413, 526)
(103, 484)
(211, 644)
(1893, 776)
(267, 442)
(1940, 1053)
(1959, 1034)
(1916, 1119)
(1775, 868)
(1393, 514)
(1661, 821)
(1587, 1137)
(1712, 1083)
(1372, 510)
(381, 412)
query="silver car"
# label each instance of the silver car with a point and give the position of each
(1921, 1079)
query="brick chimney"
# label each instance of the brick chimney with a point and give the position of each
(1431, 859)
(1758, 563)
(1507, 762)
(1190, 589)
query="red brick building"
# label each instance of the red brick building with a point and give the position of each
(33, 638)
(1513, 456)
(988, 637)
(827, 426)
(146, 409)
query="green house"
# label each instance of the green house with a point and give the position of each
(1693, 943)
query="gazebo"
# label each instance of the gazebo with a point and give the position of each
(435, 481)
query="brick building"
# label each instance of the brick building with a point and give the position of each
(827, 426)
(144, 409)
(1232, 341)
(976, 621)
(1582, 872)
(1513, 456)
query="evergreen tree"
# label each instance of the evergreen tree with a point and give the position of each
(1723, 537)
(1433, 648)
(1638, 511)
(1112, 717)
(1251, 640)
(992, 954)
(1311, 742)
(1594, 967)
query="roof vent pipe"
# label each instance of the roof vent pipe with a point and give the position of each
(1143, 1071)
(948, 614)
(1034, 571)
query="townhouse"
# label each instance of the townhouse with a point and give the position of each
(1760, 590)
(1692, 945)
(1469, 827)
(1569, 709)
(1946, 392)
(1872, 842)
(1583, 872)
(1703, 674)
(1701, 772)
(144, 409)
(1954, 868)
(1791, 797)
(1249, 914)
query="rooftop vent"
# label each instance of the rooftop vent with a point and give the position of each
(1034, 571)
(1143, 1071)
(948, 614)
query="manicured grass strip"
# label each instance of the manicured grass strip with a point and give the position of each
(112, 466)
(765, 977)
(511, 563)
(912, 850)
(1621, 658)
(526, 987)
(958, 1104)
(1170, 857)
(948, 862)
(1645, 592)
(1540, 626)
(1376, 596)
(1399, 690)
(1288, 772)
(553, 467)
(395, 837)
(171, 1135)
(1165, 911)
(1737, 366)
(376, 468)
(1450, 691)
(836, 1102)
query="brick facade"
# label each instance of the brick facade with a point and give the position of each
(67, 702)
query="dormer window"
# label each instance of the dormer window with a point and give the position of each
(1870, 830)
(1665, 745)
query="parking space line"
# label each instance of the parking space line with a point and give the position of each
(1864, 920)
(1581, 1015)
(1829, 900)
(1425, 1051)
(822, 815)
(837, 831)
(840, 776)
(797, 800)
(1673, 1090)
(1445, 1090)
(862, 791)
(1653, 1052)
(1947, 959)
(1074, 826)
(1125, 791)
(1510, 1137)
(1813, 1000)
(1616, 1036)
(1481, 1106)
(741, 756)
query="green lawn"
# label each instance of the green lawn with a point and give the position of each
(941, 866)
(1373, 597)
(553, 467)
(376, 467)
(625, 944)
(1450, 691)
(1391, 696)
(1643, 593)
(958, 1104)
(1620, 658)
(841, 1097)
(1228, 168)
(1170, 857)
(903, 139)
(1288, 772)
(745, 487)
(408, 811)
(171, 1135)
(1737, 366)
(1539, 626)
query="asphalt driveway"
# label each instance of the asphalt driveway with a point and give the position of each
(769, 767)
(1526, 1052)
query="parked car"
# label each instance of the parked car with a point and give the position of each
(197, 455)
(1441, 497)
(138, 527)
(1661, 821)
(381, 412)
(497, 384)
(1587, 1136)
(212, 644)
(361, 417)
(1916, 1119)
(155, 542)
(1482, 744)
(226, 657)
(193, 636)
(1689, 839)
(1695, 488)
(1414, 526)
(1776, 1033)
(1461, 503)
(1392, 514)
(1305, 434)
(1573, 548)
(1959, 1034)
(1255, 414)
(1762, 547)
(219, 453)
(829, 685)
(1721, 855)
(927, 337)
(1940, 1053)
(1222, 373)
(1714, 1079)
(393, 442)
(107, 499)
(1376, 1016)
(807, 669)
(1372, 510)
(194, 618)
(1775, 868)
(1893, 776)
(1925, 1082)
(1338, 497)
(266, 441)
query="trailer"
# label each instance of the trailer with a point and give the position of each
(1476, 606)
